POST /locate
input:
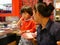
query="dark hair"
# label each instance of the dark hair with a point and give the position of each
(43, 9)
(40, 1)
(27, 9)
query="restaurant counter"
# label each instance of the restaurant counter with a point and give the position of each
(9, 38)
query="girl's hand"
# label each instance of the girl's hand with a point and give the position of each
(27, 36)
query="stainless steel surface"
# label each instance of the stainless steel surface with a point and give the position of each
(3, 36)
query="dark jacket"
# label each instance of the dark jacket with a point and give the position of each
(49, 35)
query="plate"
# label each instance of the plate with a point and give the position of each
(27, 36)
(1, 30)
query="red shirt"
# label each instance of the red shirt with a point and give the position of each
(28, 25)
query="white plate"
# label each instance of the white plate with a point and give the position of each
(1, 30)
(29, 35)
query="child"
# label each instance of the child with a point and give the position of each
(27, 25)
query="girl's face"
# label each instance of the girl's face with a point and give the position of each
(26, 15)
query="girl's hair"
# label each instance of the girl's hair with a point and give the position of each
(27, 9)
(43, 9)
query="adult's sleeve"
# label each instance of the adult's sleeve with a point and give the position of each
(57, 36)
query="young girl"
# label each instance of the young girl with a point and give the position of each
(27, 25)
